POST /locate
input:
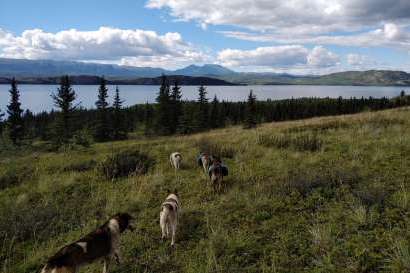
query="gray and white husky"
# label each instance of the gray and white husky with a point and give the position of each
(168, 218)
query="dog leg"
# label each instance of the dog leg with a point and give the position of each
(118, 258)
(174, 231)
(106, 265)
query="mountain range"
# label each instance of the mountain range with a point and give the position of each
(48, 71)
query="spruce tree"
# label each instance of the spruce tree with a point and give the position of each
(176, 106)
(148, 118)
(214, 116)
(1, 121)
(15, 121)
(64, 100)
(102, 128)
(250, 120)
(163, 118)
(203, 109)
(118, 130)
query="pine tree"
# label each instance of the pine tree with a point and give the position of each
(1, 121)
(15, 121)
(148, 118)
(250, 120)
(64, 100)
(176, 106)
(188, 122)
(102, 128)
(203, 109)
(163, 118)
(214, 116)
(118, 125)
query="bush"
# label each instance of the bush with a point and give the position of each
(82, 138)
(125, 163)
(14, 175)
(300, 142)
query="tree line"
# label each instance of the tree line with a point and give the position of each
(169, 115)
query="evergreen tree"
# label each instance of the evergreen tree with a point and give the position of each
(203, 109)
(214, 116)
(188, 122)
(250, 120)
(148, 118)
(176, 106)
(102, 128)
(118, 125)
(15, 121)
(163, 117)
(1, 121)
(64, 100)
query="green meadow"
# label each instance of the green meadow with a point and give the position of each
(326, 194)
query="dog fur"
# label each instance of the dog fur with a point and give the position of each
(175, 159)
(216, 173)
(169, 216)
(205, 160)
(103, 243)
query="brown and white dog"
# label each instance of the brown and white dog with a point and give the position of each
(216, 173)
(103, 243)
(175, 159)
(169, 215)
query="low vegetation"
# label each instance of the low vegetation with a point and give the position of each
(327, 194)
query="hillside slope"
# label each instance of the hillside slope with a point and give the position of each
(320, 195)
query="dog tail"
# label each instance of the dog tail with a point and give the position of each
(166, 209)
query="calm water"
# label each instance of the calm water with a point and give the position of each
(37, 97)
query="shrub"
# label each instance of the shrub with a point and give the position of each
(82, 138)
(125, 163)
(300, 142)
(14, 174)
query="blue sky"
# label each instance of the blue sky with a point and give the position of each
(296, 36)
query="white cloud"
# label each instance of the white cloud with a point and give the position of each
(282, 56)
(389, 35)
(279, 57)
(321, 57)
(105, 44)
(340, 22)
(322, 15)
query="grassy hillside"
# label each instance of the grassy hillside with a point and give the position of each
(320, 195)
(365, 78)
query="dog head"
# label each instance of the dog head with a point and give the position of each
(124, 221)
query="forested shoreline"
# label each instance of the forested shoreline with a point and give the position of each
(73, 124)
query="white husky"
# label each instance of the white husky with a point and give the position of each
(175, 159)
(169, 215)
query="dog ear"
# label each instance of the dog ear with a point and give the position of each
(176, 191)
(168, 191)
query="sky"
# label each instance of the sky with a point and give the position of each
(293, 36)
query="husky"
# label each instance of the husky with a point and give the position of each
(216, 173)
(175, 159)
(169, 215)
(101, 244)
(204, 161)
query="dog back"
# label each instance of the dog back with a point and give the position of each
(172, 203)
(93, 246)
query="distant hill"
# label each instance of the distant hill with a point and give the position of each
(48, 68)
(365, 78)
(207, 69)
(43, 70)
(92, 80)
(371, 77)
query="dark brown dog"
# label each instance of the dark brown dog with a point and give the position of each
(103, 243)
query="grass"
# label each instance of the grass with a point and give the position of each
(336, 199)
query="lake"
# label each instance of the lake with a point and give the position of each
(37, 97)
